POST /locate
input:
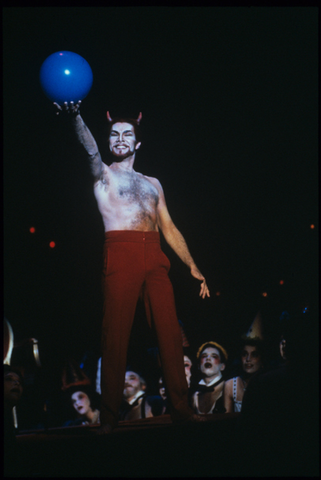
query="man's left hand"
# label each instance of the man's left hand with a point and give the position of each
(204, 288)
(70, 107)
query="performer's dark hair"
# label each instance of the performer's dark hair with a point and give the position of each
(259, 344)
(252, 342)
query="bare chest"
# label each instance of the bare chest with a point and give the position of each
(136, 189)
(130, 188)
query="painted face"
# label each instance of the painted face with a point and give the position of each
(12, 388)
(161, 388)
(251, 359)
(132, 384)
(210, 362)
(122, 140)
(81, 402)
(188, 365)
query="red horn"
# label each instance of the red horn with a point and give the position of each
(109, 117)
(139, 118)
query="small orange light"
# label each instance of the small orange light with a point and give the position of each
(32, 229)
(281, 282)
(52, 244)
(218, 294)
(264, 294)
(312, 226)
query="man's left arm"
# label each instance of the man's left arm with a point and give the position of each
(176, 240)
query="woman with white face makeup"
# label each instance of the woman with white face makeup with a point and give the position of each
(84, 402)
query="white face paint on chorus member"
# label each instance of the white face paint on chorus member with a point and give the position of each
(211, 364)
(81, 402)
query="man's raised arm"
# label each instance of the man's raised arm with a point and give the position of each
(85, 137)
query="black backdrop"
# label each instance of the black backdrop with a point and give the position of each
(229, 103)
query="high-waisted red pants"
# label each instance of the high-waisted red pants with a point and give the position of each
(134, 263)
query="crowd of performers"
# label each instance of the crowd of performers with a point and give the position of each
(274, 401)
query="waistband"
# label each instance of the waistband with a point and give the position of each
(132, 236)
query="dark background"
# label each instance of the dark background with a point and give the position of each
(229, 103)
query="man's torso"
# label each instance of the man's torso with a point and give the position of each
(127, 200)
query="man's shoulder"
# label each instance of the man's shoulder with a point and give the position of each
(153, 180)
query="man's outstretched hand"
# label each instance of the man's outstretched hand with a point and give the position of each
(70, 107)
(204, 288)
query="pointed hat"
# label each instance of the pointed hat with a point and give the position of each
(255, 330)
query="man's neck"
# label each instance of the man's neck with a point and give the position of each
(132, 399)
(126, 165)
(210, 380)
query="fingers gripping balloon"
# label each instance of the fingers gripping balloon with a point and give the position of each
(66, 77)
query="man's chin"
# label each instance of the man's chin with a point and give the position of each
(119, 157)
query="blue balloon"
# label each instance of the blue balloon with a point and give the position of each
(66, 77)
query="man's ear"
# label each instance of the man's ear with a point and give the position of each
(143, 387)
(138, 145)
(222, 367)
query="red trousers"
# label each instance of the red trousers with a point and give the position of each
(134, 263)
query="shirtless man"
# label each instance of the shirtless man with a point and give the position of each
(133, 209)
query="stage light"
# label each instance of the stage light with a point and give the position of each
(52, 244)
(312, 226)
(218, 294)
(281, 282)
(32, 229)
(264, 294)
